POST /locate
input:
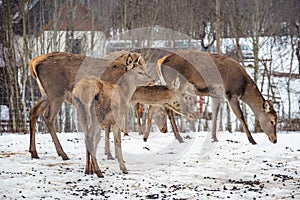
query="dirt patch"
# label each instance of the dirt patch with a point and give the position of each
(8, 154)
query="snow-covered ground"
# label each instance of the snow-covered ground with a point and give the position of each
(159, 169)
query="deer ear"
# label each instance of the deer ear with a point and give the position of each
(268, 106)
(129, 62)
(138, 59)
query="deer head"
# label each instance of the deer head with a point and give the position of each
(133, 60)
(268, 121)
(184, 93)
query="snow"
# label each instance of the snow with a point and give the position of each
(161, 168)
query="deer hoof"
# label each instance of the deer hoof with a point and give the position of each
(99, 174)
(253, 142)
(63, 155)
(145, 139)
(180, 140)
(125, 171)
(110, 157)
(34, 155)
(65, 158)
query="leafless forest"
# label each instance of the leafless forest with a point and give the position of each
(29, 28)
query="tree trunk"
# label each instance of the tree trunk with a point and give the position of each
(298, 55)
(255, 42)
(11, 70)
(229, 126)
(25, 68)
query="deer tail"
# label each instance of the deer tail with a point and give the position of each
(33, 64)
(159, 70)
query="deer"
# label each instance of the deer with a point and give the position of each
(219, 77)
(158, 96)
(151, 55)
(100, 104)
(57, 72)
(161, 96)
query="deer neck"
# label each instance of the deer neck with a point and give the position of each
(126, 88)
(253, 98)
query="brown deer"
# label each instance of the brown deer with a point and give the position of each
(56, 73)
(100, 104)
(220, 77)
(151, 55)
(161, 96)
(158, 96)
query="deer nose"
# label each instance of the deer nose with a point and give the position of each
(151, 83)
(273, 140)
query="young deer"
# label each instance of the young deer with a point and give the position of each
(151, 55)
(100, 104)
(56, 73)
(158, 96)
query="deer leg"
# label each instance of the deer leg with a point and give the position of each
(95, 167)
(174, 126)
(138, 116)
(148, 123)
(118, 148)
(88, 166)
(107, 144)
(235, 107)
(92, 139)
(34, 114)
(49, 117)
(215, 110)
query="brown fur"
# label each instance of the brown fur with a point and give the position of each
(156, 96)
(221, 77)
(56, 73)
(102, 104)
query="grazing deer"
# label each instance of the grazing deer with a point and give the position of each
(158, 96)
(220, 77)
(100, 104)
(56, 73)
(157, 113)
(161, 96)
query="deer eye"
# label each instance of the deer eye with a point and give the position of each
(97, 97)
(272, 122)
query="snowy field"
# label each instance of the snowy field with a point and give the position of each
(159, 169)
